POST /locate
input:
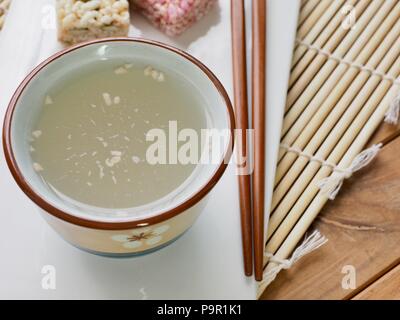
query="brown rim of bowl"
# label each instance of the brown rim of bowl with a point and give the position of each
(42, 203)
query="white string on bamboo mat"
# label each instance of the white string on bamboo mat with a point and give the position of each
(310, 157)
(311, 243)
(393, 113)
(331, 185)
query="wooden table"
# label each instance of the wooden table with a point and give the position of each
(363, 228)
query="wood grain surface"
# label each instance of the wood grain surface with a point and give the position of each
(386, 288)
(363, 228)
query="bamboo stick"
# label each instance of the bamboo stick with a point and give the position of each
(307, 9)
(316, 73)
(332, 140)
(319, 88)
(313, 18)
(302, 4)
(320, 39)
(332, 102)
(317, 203)
(391, 137)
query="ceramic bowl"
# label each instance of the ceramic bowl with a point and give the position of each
(152, 226)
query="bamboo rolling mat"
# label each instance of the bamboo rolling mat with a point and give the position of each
(344, 79)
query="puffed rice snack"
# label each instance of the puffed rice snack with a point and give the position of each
(174, 16)
(82, 20)
(4, 5)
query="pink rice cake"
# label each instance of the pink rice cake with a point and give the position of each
(174, 16)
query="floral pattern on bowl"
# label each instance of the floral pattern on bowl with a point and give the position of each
(137, 239)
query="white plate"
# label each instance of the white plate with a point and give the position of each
(207, 261)
(282, 25)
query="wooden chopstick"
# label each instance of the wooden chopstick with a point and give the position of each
(391, 138)
(242, 123)
(259, 99)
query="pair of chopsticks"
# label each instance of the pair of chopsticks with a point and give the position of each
(252, 221)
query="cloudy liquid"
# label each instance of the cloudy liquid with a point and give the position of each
(89, 143)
